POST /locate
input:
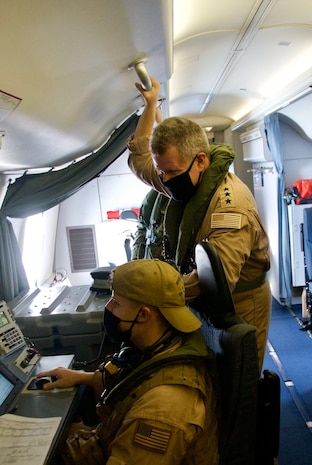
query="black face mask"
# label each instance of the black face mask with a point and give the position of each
(111, 323)
(181, 187)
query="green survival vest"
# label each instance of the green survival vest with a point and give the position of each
(188, 365)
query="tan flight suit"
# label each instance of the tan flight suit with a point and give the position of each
(168, 419)
(233, 226)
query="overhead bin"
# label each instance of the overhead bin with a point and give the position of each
(255, 148)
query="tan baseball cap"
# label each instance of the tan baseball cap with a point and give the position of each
(154, 282)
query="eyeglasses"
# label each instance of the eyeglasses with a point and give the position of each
(117, 304)
(114, 301)
(190, 167)
(161, 173)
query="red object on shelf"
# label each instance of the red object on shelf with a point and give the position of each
(115, 214)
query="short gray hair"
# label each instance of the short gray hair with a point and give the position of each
(187, 136)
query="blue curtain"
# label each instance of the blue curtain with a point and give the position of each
(35, 193)
(272, 130)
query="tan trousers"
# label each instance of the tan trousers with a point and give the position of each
(255, 306)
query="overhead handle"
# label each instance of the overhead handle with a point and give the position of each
(140, 69)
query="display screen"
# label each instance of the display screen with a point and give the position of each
(6, 388)
(3, 319)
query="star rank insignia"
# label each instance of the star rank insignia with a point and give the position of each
(226, 197)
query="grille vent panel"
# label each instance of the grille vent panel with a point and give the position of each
(82, 248)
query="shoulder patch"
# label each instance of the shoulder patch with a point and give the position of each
(152, 438)
(227, 197)
(226, 220)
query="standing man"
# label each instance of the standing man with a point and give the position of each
(156, 402)
(207, 202)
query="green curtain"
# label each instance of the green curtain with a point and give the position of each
(35, 193)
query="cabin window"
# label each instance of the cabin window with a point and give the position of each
(32, 247)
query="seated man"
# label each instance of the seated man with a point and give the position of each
(156, 402)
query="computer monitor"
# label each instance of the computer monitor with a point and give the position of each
(10, 386)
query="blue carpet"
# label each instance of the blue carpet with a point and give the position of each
(289, 354)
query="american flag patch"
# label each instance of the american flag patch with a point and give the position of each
(152, 438)
(226, 220)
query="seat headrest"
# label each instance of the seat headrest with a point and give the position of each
(216, 301)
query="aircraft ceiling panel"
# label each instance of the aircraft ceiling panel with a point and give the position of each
(286, 55)
(68, 62)
(198, 17)
(289, 11)
(250, 53)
